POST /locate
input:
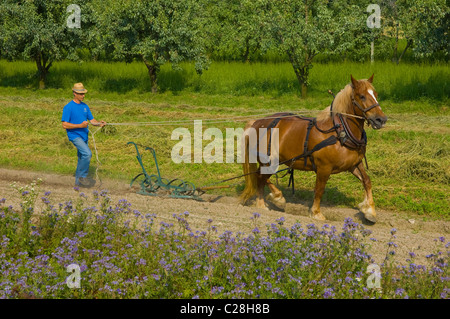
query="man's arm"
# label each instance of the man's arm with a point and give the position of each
(70, 126)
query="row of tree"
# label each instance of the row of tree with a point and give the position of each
(160, 31)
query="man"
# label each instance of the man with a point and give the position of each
(75, 117)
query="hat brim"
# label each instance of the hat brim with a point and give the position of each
(80, 91)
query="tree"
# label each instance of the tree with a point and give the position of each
(37, 30)
(422, 23)
(236, 28)
(304, 28)
(154, 32)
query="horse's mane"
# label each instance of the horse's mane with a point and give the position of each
(342, 103)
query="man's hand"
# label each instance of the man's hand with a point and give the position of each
(98, 123)
(84, 124)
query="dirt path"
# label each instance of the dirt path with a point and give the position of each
(413, 232)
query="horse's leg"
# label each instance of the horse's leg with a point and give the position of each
(262, 181)
(367, 207)
(322, 177)
(275, 196)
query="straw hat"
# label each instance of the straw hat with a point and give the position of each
(79, 88)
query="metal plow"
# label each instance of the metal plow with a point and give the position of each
(155, 185)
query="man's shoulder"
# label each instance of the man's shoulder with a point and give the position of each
(73, 104)
(70, 104)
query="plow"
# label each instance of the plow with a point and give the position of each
(156, 185)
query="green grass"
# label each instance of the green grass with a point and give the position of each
(404, 82)
(409, 159)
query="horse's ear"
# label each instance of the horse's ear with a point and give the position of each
(354, 82)
(371, 78)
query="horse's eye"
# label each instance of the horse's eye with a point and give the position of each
(363, 98)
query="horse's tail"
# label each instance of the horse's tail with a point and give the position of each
(251, 181)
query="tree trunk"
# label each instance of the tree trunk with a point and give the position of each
(372, 51)
(408, 44)
(395, 53)
(304, 90)
(43, 67)
(302, 78)
(301, 72)
(246, 54)
(152, 72)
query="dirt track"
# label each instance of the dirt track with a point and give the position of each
(413, 233)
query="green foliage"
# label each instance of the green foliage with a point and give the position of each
(155, 32)
(175, 31)
(37, 30)
(426, 23)
(421, 24)
(237, 30)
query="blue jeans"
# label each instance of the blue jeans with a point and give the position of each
(84, 158)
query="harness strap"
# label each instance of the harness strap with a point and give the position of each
(305, 145)
(329, 141)
(270, 127)
(291, 180)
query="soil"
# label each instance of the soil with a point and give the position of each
(414, 233)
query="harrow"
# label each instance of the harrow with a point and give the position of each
(155, 185)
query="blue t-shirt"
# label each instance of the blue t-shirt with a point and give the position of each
(76, 114)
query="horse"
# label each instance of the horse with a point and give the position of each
(333, 142)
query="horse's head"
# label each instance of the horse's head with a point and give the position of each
(365, 98)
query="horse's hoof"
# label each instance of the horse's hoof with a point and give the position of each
(263, 206)
(318, 216)
(371, 218)
(280, 202)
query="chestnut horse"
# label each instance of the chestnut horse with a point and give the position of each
(333, 142)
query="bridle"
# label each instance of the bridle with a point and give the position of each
(363, 110)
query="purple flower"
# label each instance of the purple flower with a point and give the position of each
(328, 293)
(256, 215)
(256, 230)
(399, 291)
(141, 262)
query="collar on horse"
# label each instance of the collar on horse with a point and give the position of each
(345, 134)
(340, 126)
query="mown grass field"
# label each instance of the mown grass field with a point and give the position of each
(409, 159)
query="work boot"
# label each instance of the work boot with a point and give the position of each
(85, 182)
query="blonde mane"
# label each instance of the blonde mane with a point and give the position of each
(342, 103)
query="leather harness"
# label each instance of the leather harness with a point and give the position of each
(343, 134)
